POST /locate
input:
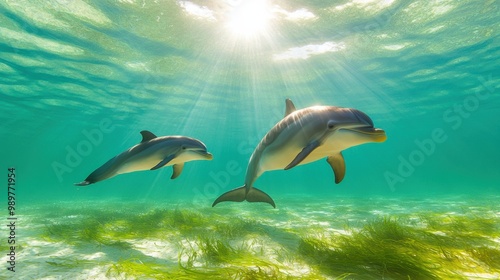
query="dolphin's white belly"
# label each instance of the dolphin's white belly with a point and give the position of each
(277, 157)
(148, 159)
(139, 162)
(276, 160)
(281, 158)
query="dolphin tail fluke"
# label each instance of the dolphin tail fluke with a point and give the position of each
(256, 195)
(240, 194)
(236, 195)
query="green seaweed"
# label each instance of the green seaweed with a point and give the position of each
(383, 248)
(135, 268)
(217, 251)
(215, 245)
(63, 263)
(487, 255)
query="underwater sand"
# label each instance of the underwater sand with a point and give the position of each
(304, 238)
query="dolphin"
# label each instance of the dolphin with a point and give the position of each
(152, 153)
(301, 137)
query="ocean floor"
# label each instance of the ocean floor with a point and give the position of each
(304, 238)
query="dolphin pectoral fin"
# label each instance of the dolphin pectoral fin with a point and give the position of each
(338, 166)
(177, 170)
(256, 195)
(290, 108)
(163, 162)
(147, 135)
(303, 154)
(236, 195)
(240, 194)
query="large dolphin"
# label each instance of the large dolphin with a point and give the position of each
(152, 153)
(301, 137)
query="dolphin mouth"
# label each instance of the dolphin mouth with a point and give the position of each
(204, 154)
(377, 134)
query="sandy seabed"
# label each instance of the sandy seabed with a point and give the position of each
(313, 238)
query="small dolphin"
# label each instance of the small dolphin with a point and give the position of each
(301, 137)
(152, 153)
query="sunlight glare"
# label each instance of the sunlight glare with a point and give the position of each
(249, 18)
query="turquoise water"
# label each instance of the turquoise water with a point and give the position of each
(80, 80)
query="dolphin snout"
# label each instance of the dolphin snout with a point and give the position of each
(204, 154)
(376, 134)
(379, 135)
(209, 156)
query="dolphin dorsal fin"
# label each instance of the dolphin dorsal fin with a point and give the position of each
(147, 135)
(290, 108)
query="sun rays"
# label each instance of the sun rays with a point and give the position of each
(248, 19)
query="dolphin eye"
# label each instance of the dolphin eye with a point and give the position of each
(331, 124)
(183, 147)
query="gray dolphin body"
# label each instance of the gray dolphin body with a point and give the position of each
(304, 136)
(152, 153)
